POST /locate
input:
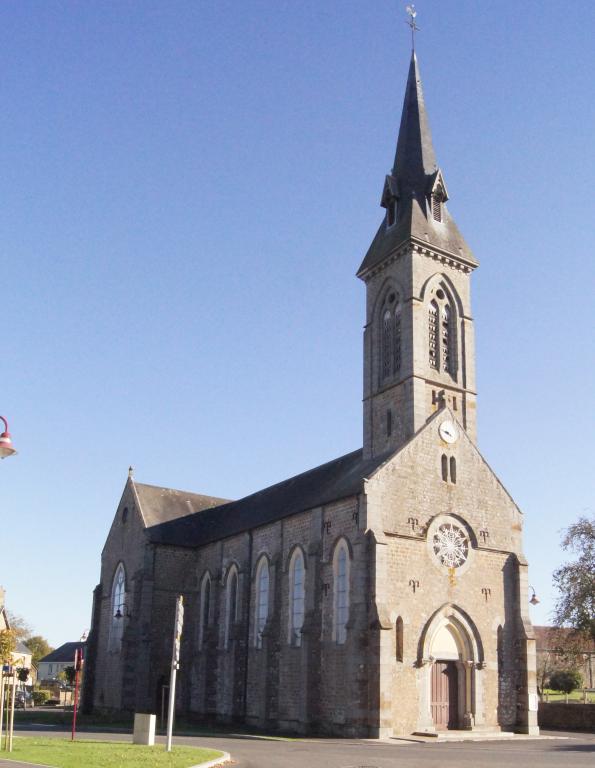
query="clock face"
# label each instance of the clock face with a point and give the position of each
(448, 431)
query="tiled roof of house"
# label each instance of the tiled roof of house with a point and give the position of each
(554, 638)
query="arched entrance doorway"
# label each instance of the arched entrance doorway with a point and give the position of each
(450, 660)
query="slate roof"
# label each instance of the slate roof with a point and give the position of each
(22, 648)
(64, 653)
(159, 505)
(413, 174)
(329, 482)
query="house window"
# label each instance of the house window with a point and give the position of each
(231, 610)
(205, 608)
(340, 592)
(262, 600)
(296, 597)
(118, 609)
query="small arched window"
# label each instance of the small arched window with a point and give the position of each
(442, 333)
(453, 469)
(261, 608)
(118, 608)
(445, 467)
(340, 592)
(231, 603)
(437, 206)
(391, 212)
(297, 593)
(399, 639)
(205, 608)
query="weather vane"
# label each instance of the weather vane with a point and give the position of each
(411, 23)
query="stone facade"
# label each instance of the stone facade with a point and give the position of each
(409, 609)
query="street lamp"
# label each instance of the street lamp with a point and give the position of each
(6, 447)
(534, 599)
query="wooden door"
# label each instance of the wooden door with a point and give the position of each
(444, 698)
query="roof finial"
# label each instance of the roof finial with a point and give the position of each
(411, 23)
(131, 473)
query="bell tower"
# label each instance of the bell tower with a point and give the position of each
(418, 338)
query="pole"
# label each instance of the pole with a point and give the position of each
(1, 703)
(76, 692)
(175, 663)
(78, 663)
(14, 689)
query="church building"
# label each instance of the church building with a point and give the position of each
(382, 593)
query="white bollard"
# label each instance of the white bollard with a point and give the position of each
(144, 729)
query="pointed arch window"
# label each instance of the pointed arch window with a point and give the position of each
(442, 334)
(433, 335)
(390, 336)
(445, 341)
(205, 608)
(386, 334)
(297, 594)
(231, 603)
(118, 608)
(261, 608)
(341, 566)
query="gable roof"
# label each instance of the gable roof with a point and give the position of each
(22, 648)
(329, 482)
(159, 505)
(64, 653)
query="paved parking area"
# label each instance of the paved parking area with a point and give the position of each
(558, 749)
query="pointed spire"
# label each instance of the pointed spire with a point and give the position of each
(415, 160)
(412, 188)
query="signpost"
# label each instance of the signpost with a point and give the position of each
(175, 664)
(78, 665)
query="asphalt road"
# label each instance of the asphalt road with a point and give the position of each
(567, 750)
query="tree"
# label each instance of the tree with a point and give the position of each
(575, 581)
(566, 680)
(39, 647)
(23, 674)
(7, 645)
(19, 626)
(69, 675)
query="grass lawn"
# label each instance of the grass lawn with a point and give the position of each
(574, 696)
(63, 753)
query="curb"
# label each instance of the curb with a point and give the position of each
(225, 758)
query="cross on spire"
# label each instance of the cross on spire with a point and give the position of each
(411, 23)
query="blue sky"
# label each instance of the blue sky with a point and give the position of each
(187, 191)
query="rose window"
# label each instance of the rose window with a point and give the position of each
(450, 545)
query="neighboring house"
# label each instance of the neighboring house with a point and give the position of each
(51, 665)
(381, 593)
(562, 648)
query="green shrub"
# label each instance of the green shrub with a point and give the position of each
(40, 697)
(566, 680)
